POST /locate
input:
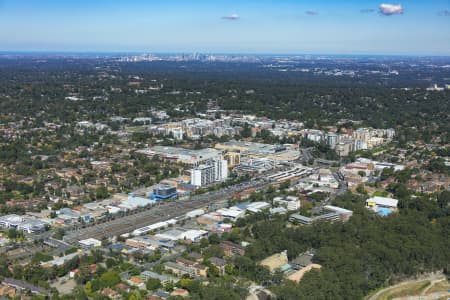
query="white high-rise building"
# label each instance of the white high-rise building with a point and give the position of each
(222, 169)
(205, 174)
(332, 139)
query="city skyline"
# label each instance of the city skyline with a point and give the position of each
(282, 27)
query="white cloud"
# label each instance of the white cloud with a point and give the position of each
(391, 9)
(231, 17)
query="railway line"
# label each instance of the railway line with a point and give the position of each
(161, 212)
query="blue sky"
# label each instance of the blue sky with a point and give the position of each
(233, 26)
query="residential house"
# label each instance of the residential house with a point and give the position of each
(22, 285)
(231, 249)
(219, 263)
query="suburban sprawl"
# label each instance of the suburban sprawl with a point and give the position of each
(244, 177)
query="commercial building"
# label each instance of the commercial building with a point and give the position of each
(380, 165)
(257, 165)
(22, 285)
(195, 213)
(150, 242)
(249, 150)
(298, 275)
(164, 192)
(22, 223)
(296, 172)
(278, 211)
(138, 202)
(328, 213)
(188, 157)
(11, 221)
(146, 275)
(382, 202)
(233, 158)
(90, 243)
(182, 234)
(256, 207)
(382, 205)
(59, 261)
(153, 227)
(289, 202)
(233, 213)
(276, 261)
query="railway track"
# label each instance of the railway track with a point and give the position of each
(162, 212)
(131, 222)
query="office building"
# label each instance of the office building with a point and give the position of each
(289, 202)
(164, 192)
(328, 213)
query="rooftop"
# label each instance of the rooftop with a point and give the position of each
(383, 201)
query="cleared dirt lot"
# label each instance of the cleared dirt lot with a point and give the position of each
(431, 287)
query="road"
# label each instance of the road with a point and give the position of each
(433, 278)
(306, 154)
(342, 185)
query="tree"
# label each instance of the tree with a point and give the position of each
(214, 238)
(88, 288)
(4, 263)
(213, 271)
(204, 243)
(110, 262)
(109, 279)
(360, 189)
(101, 193)
(213, 251)
(443, 199)
(14, 234)
(169, 286)
(246, 131)
(135, 296)
(192, 286)
(386, 173)
(285, 184)
(153, 284)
